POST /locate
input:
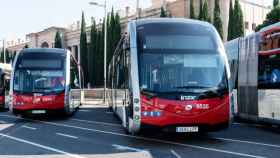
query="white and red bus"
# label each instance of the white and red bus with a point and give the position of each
(45, 80)
(256, 65)
(5, 76)
(171, 74)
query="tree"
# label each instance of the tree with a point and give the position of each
(163, 12)
(92, 55)
(84, 50)
(57, 40)
(275, 3)
(205, 15)
(230, 22)
(271, 18)
(217, 18)
(8, 57)
(238, 20)
(192, 14)
(200, 9)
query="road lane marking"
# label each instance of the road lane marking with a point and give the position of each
(40, 146)
(123, 148)
(97, 122)
(248, 142)
(83, 110)
(175, 154)
(28, 127)
(145, 138)
(67, 135)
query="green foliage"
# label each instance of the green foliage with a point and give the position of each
(84, 50)
(238, 26)
(92, 55)
(205, 14)
(271, 18)
(230, 22)
(275, 3)
(163, 12)
(192, 13)
(200, 10)
(217, 18)
(57, 40)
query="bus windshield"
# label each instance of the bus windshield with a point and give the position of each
(179, 58)
(38, 75)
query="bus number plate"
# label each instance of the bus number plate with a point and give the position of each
(38, 111)
(186, 129)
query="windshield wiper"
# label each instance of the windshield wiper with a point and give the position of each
(192, 87)
(149, 94)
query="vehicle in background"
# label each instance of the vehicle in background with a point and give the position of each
(45, 80)
(171, 74)
(5, 76)
(258, 75)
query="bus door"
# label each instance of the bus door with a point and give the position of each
(75, 85)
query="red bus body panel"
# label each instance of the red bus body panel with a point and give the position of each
(208, 112)
(45, 102)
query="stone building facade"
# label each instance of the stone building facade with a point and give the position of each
(254, 14)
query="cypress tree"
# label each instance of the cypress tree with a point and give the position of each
(57, 40)
(7, 54)
(162, 12)
(84, 50)
(217, 18)
(231, 22)
(92, 55)
(2, 56)
(200, 10)
(238, 27)
(205, 15)
(192, 14)
(275, 3)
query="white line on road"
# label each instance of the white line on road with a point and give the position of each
(82, 110)
(248, 142)
(41, 146)
(28, 127)
(121, 147)
(175, 154)
(97, 122)
(145, 138)
(67, 135)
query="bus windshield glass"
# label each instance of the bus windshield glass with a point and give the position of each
(39, 73)
(179, 58)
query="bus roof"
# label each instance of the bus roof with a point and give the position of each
(171, 20)
(43, 50)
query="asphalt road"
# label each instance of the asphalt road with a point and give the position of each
(93, 132)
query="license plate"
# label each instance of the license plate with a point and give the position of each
(186, 129)
(38, 111)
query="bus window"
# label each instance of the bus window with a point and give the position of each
(74, 78)
(269, 72)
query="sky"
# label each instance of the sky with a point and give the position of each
(20, 17)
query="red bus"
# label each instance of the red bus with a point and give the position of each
(171, 74)
(45, 80)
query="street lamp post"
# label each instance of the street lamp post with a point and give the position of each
(105, 44)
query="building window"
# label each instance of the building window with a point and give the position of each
(247, 25)
(254, 26)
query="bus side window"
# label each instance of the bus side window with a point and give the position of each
(74, 76)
